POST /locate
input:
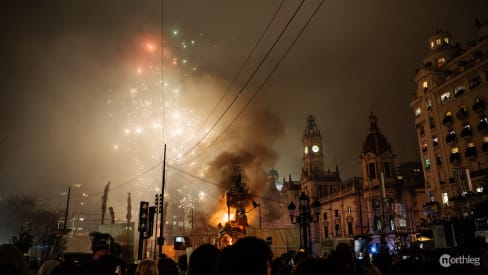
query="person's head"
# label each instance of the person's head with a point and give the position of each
(249, 255)
(203, 261)
(12, 260)
(167, 266)
(147, 267)
(47, 267)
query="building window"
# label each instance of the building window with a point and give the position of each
(438, 41)
(470, 151)
(350, 229)
(459, 90)
(478, 105)
(326, 229)
(446, 40)
(425, 85)
(455, 155)
(386, 167)
(435, 140)
(451, 136)
(424, 146)
(421, 129)
(438, 160)
(474, 82)
(462, 113)
(445, 97)
(447, 120)
(432, 124)
(432, 44)
(427, 164)
(466, 132)
(483, 125)
(428, 104)
(417, 112)
(440, 62)
(445, 199)
(372, 170)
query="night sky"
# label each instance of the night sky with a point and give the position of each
(76, 77)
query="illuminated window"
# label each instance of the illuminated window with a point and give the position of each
(459, 90)
(428, 104)
(479, 189)
(424, 146)
(484, 147)
(451, 136)
(432, 44)
(445, 199)
(447, 118)
(445, 97)
(435, 140)
(446, 40)
(483, 125)
(438, 41)
(441, 61)
(455, 155)
(417, 112)
(466, 132)
(425, 85)
(427, 164)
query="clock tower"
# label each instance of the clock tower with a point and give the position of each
(313, 163)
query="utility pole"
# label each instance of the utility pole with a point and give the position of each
(161, 221)
(66, 213)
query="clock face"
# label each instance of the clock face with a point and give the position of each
(306, 150)
(315, 148)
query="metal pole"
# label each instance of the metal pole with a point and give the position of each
(66, 213)
(161, 222)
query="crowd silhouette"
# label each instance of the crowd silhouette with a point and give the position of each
(251, 255)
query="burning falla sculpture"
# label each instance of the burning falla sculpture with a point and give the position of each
(237, 198)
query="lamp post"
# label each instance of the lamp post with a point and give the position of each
(307, 214)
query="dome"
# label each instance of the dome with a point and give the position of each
(375, 142)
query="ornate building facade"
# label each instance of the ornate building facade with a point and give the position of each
(450, 108)
(377, 204)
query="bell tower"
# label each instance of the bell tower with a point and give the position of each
(313, 157)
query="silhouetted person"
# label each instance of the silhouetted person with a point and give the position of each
(167, 266)
(183, 264)
(249, 255)
(147, 267)
(203, 260)
(12, 261)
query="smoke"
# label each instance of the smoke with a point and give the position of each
(251, 147)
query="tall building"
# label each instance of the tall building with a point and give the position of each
(378, 204)
(450, 108)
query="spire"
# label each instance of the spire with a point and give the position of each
(373, 123)
(311, 128)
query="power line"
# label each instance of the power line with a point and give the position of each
(264, 82)
(246, 61)
(253, 74)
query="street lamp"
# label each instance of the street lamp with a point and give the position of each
(307, 214)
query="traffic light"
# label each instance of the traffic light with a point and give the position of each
(143, 214)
